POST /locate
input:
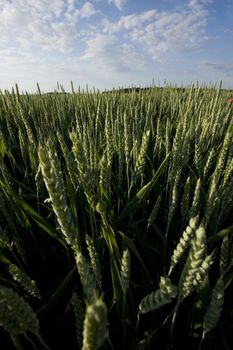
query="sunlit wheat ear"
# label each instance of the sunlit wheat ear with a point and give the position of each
(211, 198)
(16, 315)
(214, 310)
(160, 297)
(95, 263)
(158, 140)
(121, 156)
(105, 173)
(79, 155)
(23, 145)
(94, 159)
(52, 174)
(125, 270)
(209, 162)
(141, 159)
(184, 242)
(87, 277)
(198, 159)
(173, 201)
(127, 142)
(203, 270)
(167, 287)
(28, 128)
(79, 310)
(193, 263)
(84, 172)
(196, 199)
(176, 152)
(108, 133)
(22, 278)
(223, 154)
(95, 326)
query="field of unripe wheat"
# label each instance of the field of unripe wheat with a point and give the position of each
(116, 219)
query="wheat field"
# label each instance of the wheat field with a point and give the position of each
(116, 219)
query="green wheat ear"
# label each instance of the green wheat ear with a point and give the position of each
(193, 263)
(26, 282)
(214, 310)
(203, 270)
(87, 277)
(53, 178)
(125, 270)
(160, 297)
(95, 326)
(16, 315)
(94, 260)
(184, 242)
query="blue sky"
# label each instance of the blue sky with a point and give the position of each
(115, 43)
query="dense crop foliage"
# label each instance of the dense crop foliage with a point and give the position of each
(116, 219)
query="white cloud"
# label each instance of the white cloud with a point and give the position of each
(128, 22)
(42, 24)
(160, 32)
(36, 23)
(177, 31)
(15, 57)
(118, 3)
(70, 5)
(52, 25)
(107, 53)
(86, 11)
